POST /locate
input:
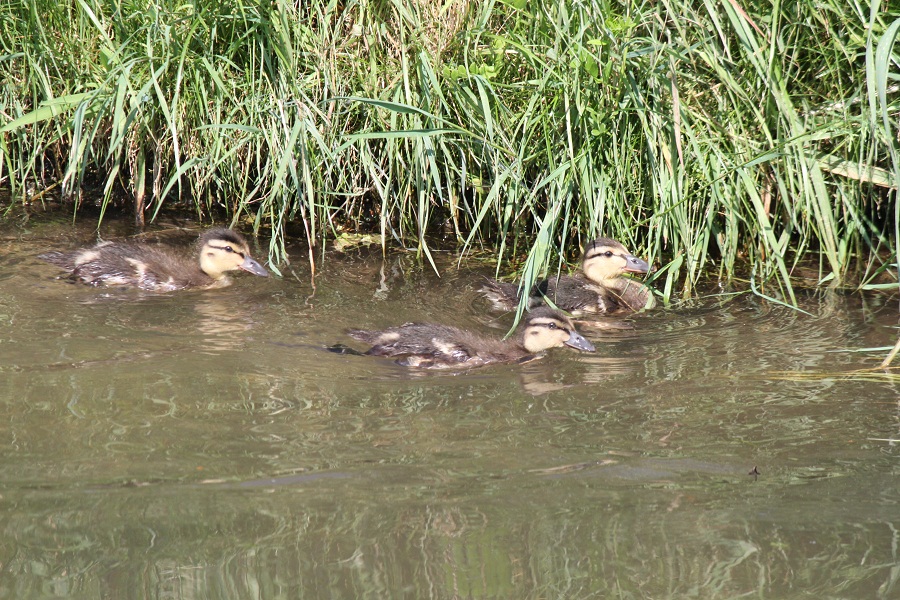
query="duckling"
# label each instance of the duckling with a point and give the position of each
(600, 288)
(429, 345)
(157, 269)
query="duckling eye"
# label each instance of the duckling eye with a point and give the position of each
(608, 253)
(229, 249)
(552, 326)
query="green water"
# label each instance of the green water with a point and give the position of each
(204, 445)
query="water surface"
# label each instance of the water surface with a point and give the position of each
(204, 445)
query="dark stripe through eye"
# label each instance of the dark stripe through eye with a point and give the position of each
(228, 249)
(607, 253)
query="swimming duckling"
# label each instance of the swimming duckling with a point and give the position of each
(600, 288)
(158, 269)
(435, 346)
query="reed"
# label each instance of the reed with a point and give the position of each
(722, 138)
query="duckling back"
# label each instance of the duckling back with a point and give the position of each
(436, 346)
(576, 295)
(571, 294)
(159, 269)
(130, 264)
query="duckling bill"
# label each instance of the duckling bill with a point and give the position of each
(435, 346)
(158, 269)
(600, 287)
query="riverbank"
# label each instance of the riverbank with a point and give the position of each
(716, 136)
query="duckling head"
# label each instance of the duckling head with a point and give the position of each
(223, 250)
(606, 259)
(546, 328)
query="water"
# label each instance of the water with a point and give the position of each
(204, 445)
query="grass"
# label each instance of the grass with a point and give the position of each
(715, 138)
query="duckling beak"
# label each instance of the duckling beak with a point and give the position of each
(251, 266)
(577, 341)
(633, 264)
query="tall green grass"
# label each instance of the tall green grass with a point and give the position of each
(735, 138)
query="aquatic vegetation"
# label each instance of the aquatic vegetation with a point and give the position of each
(714, 137)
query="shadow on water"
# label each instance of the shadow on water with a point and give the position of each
(205, 444)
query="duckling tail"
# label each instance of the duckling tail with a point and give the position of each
(504, 296)
(62, 259)
(342, 349)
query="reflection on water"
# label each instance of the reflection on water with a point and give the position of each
(222, 324)
(205, 444)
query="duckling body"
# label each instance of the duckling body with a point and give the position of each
(437, 346)
(600, 288)
(158, 269)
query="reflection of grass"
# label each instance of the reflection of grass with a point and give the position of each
(890, 374)
(890, 357)
(885, 364)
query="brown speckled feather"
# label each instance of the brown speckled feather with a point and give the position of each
(433, 345)
(574, 294)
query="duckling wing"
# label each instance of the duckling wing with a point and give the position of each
(575, 294)
(422, 344)
(633, 295)
(137, 265)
